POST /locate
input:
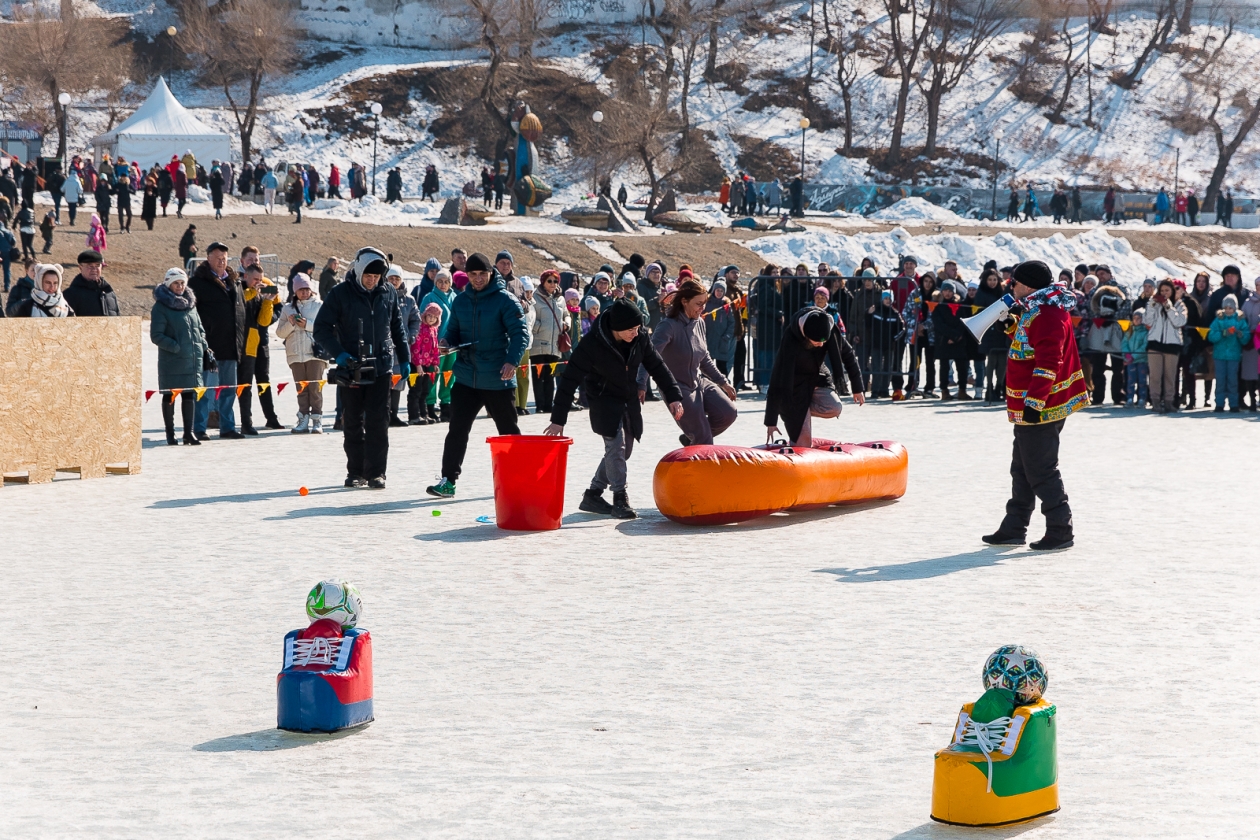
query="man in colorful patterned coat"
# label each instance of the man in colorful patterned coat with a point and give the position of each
(1044, 384)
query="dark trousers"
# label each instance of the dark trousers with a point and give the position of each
(1099, 362)
(1035, 475)
(255, 369)
(365, 420)
(544, 383)
(124, 215)
(741, 362)
(466, 402)
(418, 393)
(72, 208)
(960, 370)
(188, 402)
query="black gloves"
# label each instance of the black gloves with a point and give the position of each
(1032, 416)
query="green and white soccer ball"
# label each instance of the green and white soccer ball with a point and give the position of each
(335, 599)
(1017, 669)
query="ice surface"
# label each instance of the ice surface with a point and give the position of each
(790, 677)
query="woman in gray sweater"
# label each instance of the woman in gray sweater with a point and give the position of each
(708, 399)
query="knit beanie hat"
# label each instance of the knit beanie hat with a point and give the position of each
(815, 325)
(1033, 273)
(477, 262)
(504, 255)
(623, 315)
(176, 275)
(1228, 302)
(1231, 269)
(433, 309)
(590, 303)
(300, 280)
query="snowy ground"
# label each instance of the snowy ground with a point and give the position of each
(789, 677)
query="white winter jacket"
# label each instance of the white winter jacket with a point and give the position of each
(72, 189)
(299, 344)
(550, 318)
(1164, 322)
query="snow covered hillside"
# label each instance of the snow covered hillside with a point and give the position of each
(762, 63)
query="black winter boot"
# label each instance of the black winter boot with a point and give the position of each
(168, 420)
(621, 506)
(593, 501)
(187, 409)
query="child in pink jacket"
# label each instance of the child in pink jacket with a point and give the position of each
(425, 361)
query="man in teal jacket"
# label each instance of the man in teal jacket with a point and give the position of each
(488, 332)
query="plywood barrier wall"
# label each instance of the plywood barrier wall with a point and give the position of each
(70, 396)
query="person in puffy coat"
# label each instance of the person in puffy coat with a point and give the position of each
(549, 330)
(719, 327)
(489, 332)
(680, 340)
(296, 328)
(1228, 334)
(886, 330)
(175, 327)
(801, 386)
(439, 397)
(954, 342)
(995, 343)
(605, 363)
(409, 313)
(1165, 319)
(1107, 304)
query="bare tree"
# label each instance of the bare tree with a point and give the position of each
(843, 42)
(1072, 65)
(1225, 149)
(530, 17)
(909, 22)
(74, 54)
(237, 45)
(1165, 17)
(959, 32)
(488, 17)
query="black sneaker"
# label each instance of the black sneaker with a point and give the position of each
(621, 507)
(356, 481)
(395, 421)
(202, 436)
(1000, 537)
(1049, 543)
(249, 430)
(685, 440)
(274, 423)
(231, 434)
(377, 483)
(593, 501)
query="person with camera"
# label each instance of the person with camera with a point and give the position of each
(361, 328)
(489, 333)
(1044, 384)
(260, 313)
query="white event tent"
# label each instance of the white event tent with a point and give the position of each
(159, 128)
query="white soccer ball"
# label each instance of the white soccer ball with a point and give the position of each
(335, 599)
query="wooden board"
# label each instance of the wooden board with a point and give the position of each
(70, 397)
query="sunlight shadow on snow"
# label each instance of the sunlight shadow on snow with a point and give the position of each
(922, 569)
(240, 498)
(941, 831)
(401, 506)
(266, 740)
(652, 523)
(489, 531)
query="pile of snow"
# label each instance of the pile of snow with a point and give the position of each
(198, 195)
(845, 252)
(372, 210)
(916, 210)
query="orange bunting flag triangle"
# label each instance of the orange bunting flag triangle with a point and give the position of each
(301, 386)
(240, 389)
(446, 377)
(1076, 320)
(1124, 325)
(538, 369)
(393, 380)
(931, 306)
(200, 392)
(148, 395)
(280, 387)
(175, 392)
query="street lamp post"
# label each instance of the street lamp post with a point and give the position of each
(1177, 143)
(804, 123)
(63, 99)
(997, 153)
(376, 127)
(597, 118)
(170, 52)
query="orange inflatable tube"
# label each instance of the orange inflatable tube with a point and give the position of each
(715, 485)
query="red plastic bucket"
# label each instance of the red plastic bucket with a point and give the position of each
(529, 473)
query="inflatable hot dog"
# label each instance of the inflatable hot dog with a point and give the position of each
(715, 485)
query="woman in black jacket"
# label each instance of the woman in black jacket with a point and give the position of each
(995, 343)
(606, 363)
(954, 342)
(800, 384)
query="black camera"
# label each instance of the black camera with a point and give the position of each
(355, 373)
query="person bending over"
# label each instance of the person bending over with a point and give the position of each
(605, 362)
(800, 384)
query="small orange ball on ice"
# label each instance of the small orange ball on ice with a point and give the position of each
(302, 491)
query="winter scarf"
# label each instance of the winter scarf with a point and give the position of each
(180, 303)
(1056, 294)
(47, 305)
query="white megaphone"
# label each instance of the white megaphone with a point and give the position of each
(994, 312)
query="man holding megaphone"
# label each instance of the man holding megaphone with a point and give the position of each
(1044, 384)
